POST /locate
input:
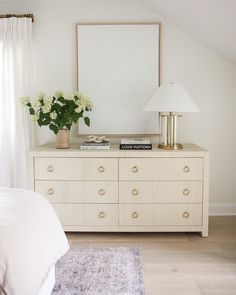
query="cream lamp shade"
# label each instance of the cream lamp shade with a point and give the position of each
(170, 100)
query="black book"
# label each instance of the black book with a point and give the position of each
(139, 146)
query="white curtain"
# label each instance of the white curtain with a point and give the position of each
(15, 81)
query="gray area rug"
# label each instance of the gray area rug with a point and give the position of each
(99, 270)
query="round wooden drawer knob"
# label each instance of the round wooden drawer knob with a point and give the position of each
(134, 169)
(101, 169)
(101, 214)
(185, 214)
(135, 192)
(101, 192)
(186, 169)
(51, 191)
(50, 168)
(186, 192)
(135, 214)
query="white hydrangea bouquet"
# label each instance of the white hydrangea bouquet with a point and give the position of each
(58, 111)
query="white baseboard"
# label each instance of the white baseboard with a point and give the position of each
(222, 209)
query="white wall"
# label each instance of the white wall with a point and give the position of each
(209, 78)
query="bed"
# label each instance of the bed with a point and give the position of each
(31, 242)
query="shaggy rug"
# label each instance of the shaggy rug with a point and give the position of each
(99, 270)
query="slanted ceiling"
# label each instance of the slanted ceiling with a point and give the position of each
(212, 22)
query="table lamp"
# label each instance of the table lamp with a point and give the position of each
(170, 100)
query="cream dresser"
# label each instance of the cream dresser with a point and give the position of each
(114, 190)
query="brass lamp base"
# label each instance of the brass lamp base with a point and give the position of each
(169, 139)
(176, 146)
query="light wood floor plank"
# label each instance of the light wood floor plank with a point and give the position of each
(179, 263)
(217, 287)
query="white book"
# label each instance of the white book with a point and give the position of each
(95, 147)
(135, 141)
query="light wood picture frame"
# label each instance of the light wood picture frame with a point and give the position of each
(118, 66)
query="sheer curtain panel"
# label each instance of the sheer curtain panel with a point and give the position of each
(15, 81)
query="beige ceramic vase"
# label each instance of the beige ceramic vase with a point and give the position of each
(63, 139)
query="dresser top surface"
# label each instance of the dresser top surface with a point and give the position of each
(189, 150)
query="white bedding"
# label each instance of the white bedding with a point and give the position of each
(48, 285)
(31, 241)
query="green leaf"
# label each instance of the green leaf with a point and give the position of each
(61, 99)
(41, 115)
(75, 117)
(53, 128)
(31, 110)
(62, 123)
(47, 121)
(87, 121)
(67, 116)
(80, 115)
(40, 122)
(57, 121)
(70, 103)
(56, 107)
(68, 126)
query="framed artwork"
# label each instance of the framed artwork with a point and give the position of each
(118, 66)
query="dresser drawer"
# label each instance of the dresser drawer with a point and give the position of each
(87, 214)
(76, 169)
(161, 169)
(160, 192)
(78, 191)
(160, 214)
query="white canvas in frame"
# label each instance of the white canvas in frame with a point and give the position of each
(118, 67)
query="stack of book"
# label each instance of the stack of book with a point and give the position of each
(97, 144)
(135, 144)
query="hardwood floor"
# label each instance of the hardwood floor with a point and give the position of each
(179, 263)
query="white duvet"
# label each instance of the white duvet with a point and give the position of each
(31, 241)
